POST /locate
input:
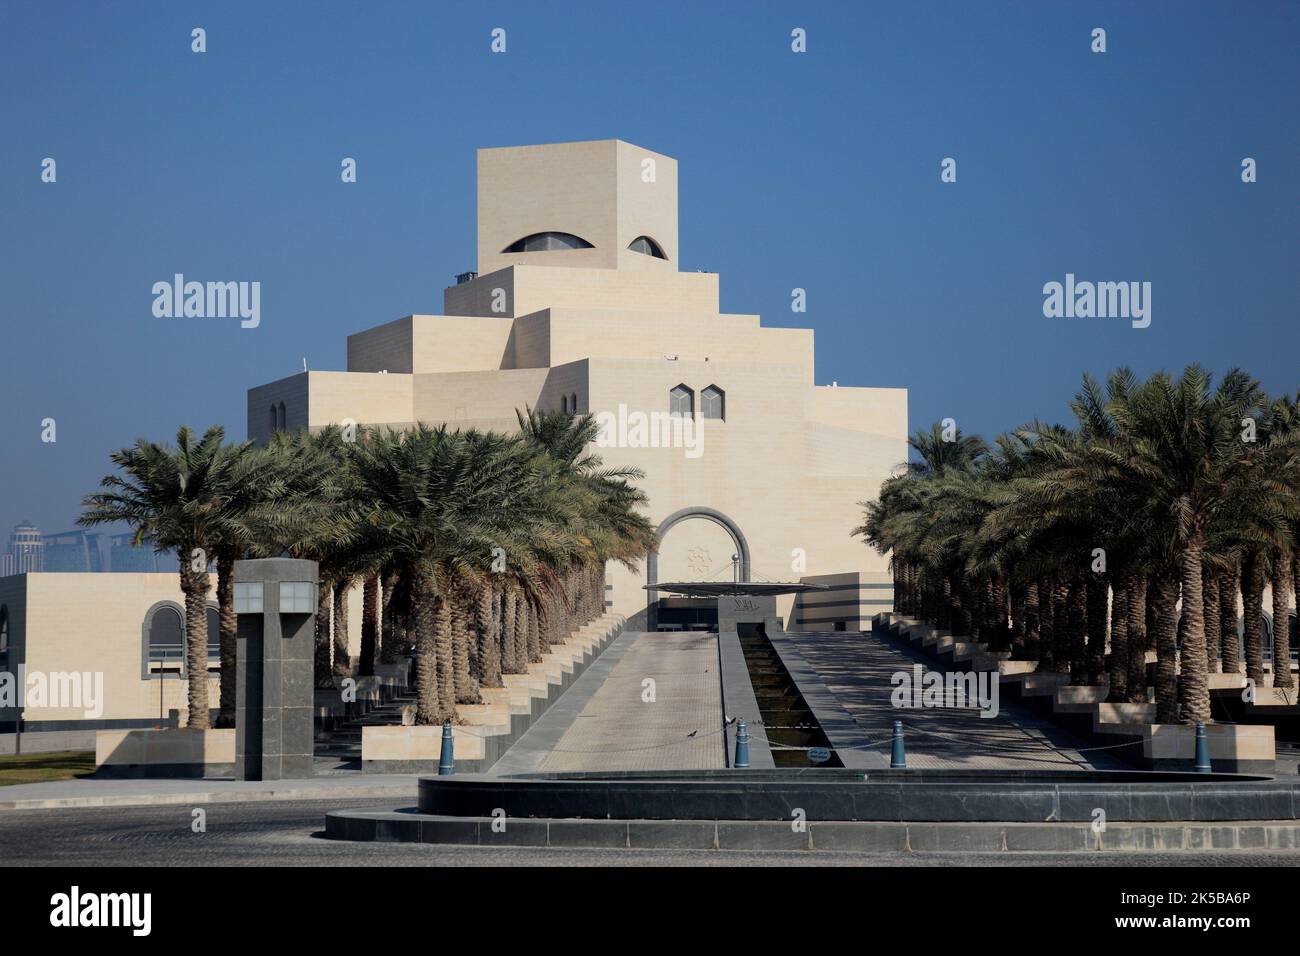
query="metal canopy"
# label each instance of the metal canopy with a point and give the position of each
(733, 588)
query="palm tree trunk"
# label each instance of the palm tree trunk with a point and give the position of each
(1252, 605)
(1123, 585)
(1017, 592)
(1032, 619)
(929, 604)
(1096, 614)
(489, 639)
(1210, 613)
(529, 631)
(1229, 642)
(1137, 639)
(229, 625)
(369, 625)
(1001, 632)
(1046, 624)
(424, 598)
(342, 657)
(321, 663)
(960, 611)
(521, 632)
(979, 612)
(510, 663)
(1077, 618)
(194, 585)
(446, 661)
(1165, 603)
(534, 635)
(1195, 681)
(390, 625)
(465, 686)
(1281, 626)
(1151, 615)
(1061, 623)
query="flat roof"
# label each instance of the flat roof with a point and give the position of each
(733, 588)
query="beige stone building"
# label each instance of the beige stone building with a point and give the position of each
(580, 304)
(97, 650)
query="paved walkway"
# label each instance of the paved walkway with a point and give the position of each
(857, 671)
(90, 792)
(618, 729)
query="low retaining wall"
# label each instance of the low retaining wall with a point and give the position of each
(1128, 729)
(491, 728)
(898, 796)
(386, 827)
(738, 701)
(165, 753)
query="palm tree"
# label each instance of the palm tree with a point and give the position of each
(1140, 518)
(1182, 458)
(441, 501)
(173, 498)
(255, 514)
(325, 527)
(1280, 461)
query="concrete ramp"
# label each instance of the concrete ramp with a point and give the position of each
(658, 708)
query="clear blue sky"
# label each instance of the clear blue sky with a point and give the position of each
(818, 170)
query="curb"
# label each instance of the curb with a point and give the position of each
(410, 827)
(401, 792)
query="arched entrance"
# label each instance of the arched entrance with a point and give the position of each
(652, 560)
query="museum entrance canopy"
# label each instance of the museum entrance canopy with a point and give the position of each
(707, 589)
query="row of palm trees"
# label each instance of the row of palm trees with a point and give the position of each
(475, 549)
(1135, 529)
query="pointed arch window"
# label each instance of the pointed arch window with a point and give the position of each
(713, 403)
(681, 401)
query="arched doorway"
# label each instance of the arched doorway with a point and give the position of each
(652, 560)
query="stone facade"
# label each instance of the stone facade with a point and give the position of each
(604, 328)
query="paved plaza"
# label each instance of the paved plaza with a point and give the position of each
(856, 670)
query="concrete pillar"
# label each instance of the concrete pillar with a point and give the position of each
(275, 599)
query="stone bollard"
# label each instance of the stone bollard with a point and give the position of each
(1202, 749)
(897, 759)
(446, 759)
(742, 745)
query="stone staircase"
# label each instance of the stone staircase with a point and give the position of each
(485, 731)
(1129, 728)
(338, 748)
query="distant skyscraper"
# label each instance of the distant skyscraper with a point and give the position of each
(72, 551)
(26, 550)
(125, 556)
